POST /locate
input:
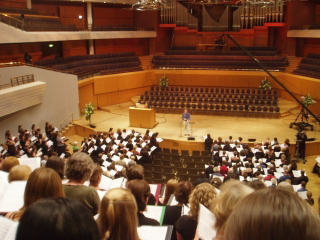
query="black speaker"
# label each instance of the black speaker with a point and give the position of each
(191, 138)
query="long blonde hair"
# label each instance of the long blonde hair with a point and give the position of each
(203, 193)
(118, 215)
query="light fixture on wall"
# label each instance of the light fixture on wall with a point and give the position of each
(80, 17)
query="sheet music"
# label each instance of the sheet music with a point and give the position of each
(8, 229)
(152, 232)
(155, 212)
(33, 163)
(12, 199)
(206, 221)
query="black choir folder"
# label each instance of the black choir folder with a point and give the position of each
(155, 232)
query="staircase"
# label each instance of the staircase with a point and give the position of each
(293, 63)
(146, 62)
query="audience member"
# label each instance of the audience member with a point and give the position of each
(118, 215)
(8, 163)
(19, 173)
(96, 176)
(54, 219)
(135, 171)
(186, 225)
(141, 191)
(42, 183)
(56, 164)
(231, 193)
(264, 215)
(78, 170)
(169, 191)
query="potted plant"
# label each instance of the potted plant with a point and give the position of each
(164, 83)
(88, 111)
(265, 84)
(307, 100)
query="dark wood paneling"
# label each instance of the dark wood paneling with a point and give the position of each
(138, 45)
(13, 3)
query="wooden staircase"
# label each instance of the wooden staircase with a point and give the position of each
(293, 63)
(146, 62)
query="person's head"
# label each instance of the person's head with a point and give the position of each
(79, 167)
(42, 183)
(285, 186)
(272, 213)
(19, 173)
(118, 215)
(141, 191)
(8, 163)
(257, 184)
(56, 164)
(170, 189)
(135, 171)
(95, 178)
(203, 193)
(231, 192)
(183, 191)
(60, 218)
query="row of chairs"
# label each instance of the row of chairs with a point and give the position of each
(204, 101)
(309, 66)
(218, 109)
(212, 98)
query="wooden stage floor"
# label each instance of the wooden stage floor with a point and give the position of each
(170, 125)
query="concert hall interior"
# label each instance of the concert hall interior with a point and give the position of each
(247, 72)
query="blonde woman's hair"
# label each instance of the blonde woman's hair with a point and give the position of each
(231, 192)
(203, 193)
(118, 215)
(19, 173)
(272, 213)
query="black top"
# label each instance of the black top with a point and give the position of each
(171, 215)
(143, 220)
(186, 227)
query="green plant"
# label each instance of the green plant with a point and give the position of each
(164, 82)
(265, 84)
(307, 100)
(88, 111)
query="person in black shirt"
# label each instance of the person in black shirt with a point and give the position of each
(208, 143)
(141, 191)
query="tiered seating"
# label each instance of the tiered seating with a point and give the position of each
(309, 66)
(35, 22)
(251, 102)
(231, 62)
(85, 66)
(235, 51)
(168, 164)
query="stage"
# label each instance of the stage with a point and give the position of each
(170, 125)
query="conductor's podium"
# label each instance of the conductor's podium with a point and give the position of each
(142, 117)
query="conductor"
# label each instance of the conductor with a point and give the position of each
(186, 122)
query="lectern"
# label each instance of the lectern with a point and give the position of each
(142, 117)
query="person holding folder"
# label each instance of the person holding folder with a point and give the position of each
(186, 122)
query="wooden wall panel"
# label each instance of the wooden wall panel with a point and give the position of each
(317, 14)
(86, 93)
(15, 52)
(261, 36)
(115, 17)
(14, 3)
(162, 42)
(146, 20)
(300, 13)
(69, 15)
(311, 45)
(119, 96)
(74, 48)
(120, 82)
(46, 9)
(138, 45)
